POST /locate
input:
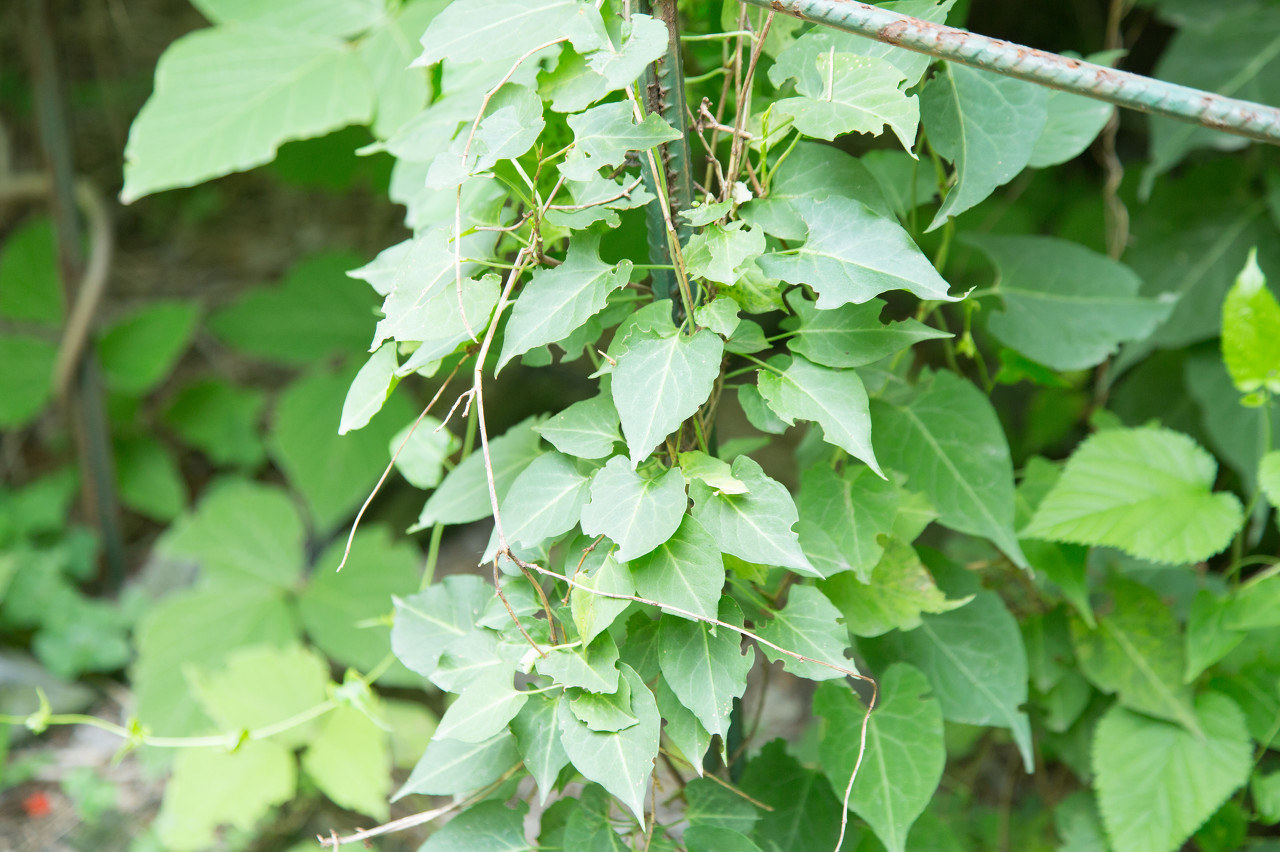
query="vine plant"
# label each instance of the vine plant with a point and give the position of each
(660, 210)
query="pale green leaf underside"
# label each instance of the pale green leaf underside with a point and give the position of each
(1145, 491)
(834, 399)
(227, 98)
(1251, 331)
(853, 255)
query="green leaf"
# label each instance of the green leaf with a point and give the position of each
(714, 838)
(711, 471)
(420, 455)
(604, 134)
(1073, 123)
(949, 443)
(498, 29)
(1269, 476)
(401, 92)
(242, 533)
(262, 685)
(683, 732)
(620, 762)
(904, 756)
(976, 662)
(660, 381)
(220, 420)
(805, 814)
(463, 497)
(1234, 55)
(1255, 605)
(140, 350)
(30, 286)
(1251, 331)
(26, 383)
(986, 124)
(329, 17)
(1145, 491)
(350, 761)
(898, 590)
(593, 668)
(333, 473)
(336, 606)
(721, 253)
(589, 826)
(705, 666)
(1157, 782)
(710, 805)
(605, 713)
(645, 40)
(756, 526)
(804, 51)
(482, 711)
(685, 571)
(834, 399)
(1065, 306)
(842, 516)
(1136, 652)
(438, 320)
(449, 767)
(1209, 639)
(538, 736)
(845, 93)
(511, 125)
(592, 613)
(315, 313)
(638, 512)
(852, 335)
(812, 171)
(258, 89)
(487, 827)
(853, 255)
(545, 500)
(557, 301)
(587, 429)
(809, 625)
(148, 479)
(198, 628)
(429, 622)
(370, 389)
(211, 787)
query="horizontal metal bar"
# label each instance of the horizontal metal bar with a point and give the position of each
(1132, 91)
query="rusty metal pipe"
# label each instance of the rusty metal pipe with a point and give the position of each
(1132, 91)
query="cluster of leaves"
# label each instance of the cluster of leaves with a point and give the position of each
(1087, 617)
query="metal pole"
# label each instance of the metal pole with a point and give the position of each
(1132, 91)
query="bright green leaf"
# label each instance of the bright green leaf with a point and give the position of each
(499, 29)
(30, 284)
(511, 125)
(720, 252)
(350, 761)
(26, 382)
(148, 478)
(221, 420)
(604, 134)
(645, 40)
(845, 93)
(261, 685)
(328, 17)
(1145, 491)
(1251, 331)
(1157, 782)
